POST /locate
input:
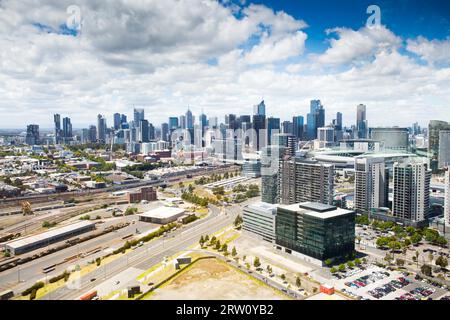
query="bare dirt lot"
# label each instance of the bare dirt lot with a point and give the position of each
(211, 279)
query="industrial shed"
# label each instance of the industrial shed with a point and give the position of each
(31, 243)
(162, 215)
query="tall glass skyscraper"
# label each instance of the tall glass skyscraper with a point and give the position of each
(273, 127)
(315, 118)
(361, 122)
(297, 129)
(260, 109)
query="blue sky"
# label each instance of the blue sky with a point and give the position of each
(406, 18)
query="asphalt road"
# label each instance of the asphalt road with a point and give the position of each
(31, 272)
(151, 253)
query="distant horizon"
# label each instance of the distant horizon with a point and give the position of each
(224, 57)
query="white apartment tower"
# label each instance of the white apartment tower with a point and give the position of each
(447, 197)
(411, 190)
(371, 184)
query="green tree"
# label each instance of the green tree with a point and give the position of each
(350, 264)
(426, 270)
(224, 247)
(256, 262)
(269, 269)
(341, 267)
(328, 262)
(298, 282)
(283, 277)
(333, 270)
(400, 262)
(234, 252)
(442, 262)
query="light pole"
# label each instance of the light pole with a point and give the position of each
(18, 273)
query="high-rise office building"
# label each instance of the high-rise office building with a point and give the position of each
(315, 118)
(297, 127)
(287, 127)
(338, 128)
(303, 180)
(315, 232)
(444, 149)
(361, 122)
(101, 128)
(189, 119)
(92, 134)
(67, 130)
(123, 120)
(117, 121)
(411, 190)
(231, 122)
(286, 140)
(165, 132)
(182, 122)
(434, 128)
(32, 137)
(213, 123)
(203, 122)
(138, 115)
(143, 131)
(57, 131)
(371, 184)
(325, 137)
(151, 132)
(338, 124)
(173, 123)
(273, 127)
(260, 109)
(393, 138)
(259, 125)
(228, 148)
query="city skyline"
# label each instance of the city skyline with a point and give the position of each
(224, 55)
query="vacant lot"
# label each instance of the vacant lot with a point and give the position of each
(211, 279)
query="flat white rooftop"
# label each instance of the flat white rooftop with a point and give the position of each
(162, 212)
(262, 206)
(48, 234)
(317, 210)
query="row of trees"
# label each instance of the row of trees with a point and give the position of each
(215, 177)
(350, 264)
(404, 236)
(193, 198)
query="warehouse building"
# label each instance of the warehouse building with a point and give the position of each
(31, 243)
(162, 215)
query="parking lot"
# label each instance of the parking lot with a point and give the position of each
(375, 283)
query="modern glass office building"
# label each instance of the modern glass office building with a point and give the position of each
(315, 232)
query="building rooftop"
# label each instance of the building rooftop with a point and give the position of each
(48, 234)
(162, 212)
(318, 210)
(262, 206)
(316, 206)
